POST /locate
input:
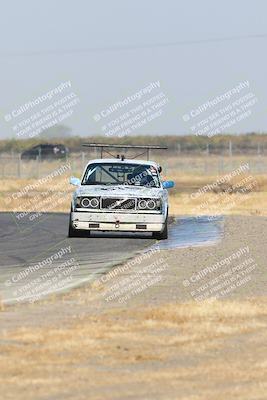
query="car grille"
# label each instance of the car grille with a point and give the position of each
(118, 203)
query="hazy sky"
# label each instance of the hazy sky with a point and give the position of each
(97, 45)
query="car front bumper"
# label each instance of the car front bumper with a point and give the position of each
(126, 222)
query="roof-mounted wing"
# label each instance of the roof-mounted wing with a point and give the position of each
(104, 146)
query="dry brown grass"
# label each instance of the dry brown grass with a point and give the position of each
(49, 197)
(167, 352)
(187, 172)
(251, 204)
(56, 196)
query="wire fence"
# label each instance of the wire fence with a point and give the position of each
(12, 166)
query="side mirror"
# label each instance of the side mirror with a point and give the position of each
(75, 181)
(168, 184)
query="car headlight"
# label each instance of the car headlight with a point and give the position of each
(149, 204)
(87, 202)
(142, 204)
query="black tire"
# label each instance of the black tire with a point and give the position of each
(163, 235)
(76, 232)
(72, 232)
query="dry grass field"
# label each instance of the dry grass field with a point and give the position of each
(205, 351)
(187, 172)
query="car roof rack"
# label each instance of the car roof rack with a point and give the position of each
(104, 146)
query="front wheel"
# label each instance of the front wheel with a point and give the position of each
(76, 232)
(163, 235)
(72, 232)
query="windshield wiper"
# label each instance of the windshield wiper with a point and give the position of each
(101, 183)
(93, 183)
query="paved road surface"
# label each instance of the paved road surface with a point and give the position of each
(37, 258)
(26, 244)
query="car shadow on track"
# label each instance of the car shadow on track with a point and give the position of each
(114, 235)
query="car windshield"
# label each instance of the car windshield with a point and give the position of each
(121, 174)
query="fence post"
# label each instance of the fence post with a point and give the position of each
(230, 148)
(38, 166)
(19, 165)
(83, 160)
(178, 148)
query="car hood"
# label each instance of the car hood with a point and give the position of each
(118, 191)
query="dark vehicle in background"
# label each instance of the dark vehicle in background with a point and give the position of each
(46, 152)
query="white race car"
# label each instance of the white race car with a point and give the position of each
(122, 195)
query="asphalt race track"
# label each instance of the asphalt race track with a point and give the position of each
(38, 259)
(28, 243)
